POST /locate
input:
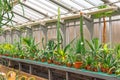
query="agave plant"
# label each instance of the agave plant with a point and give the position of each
(50, 47)
(20, 49)
(109, 62)
(31, 47)
(88, 60)
(94, 45)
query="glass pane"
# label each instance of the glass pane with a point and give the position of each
(37, 8)
(40, 5)
(70, 4)
(19, 19)
(52, 5)
(28, 11)
(98, 2)
(84, 3)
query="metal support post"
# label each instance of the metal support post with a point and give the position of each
(49, 74)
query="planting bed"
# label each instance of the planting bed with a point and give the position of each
(55, 72)
(5, 69)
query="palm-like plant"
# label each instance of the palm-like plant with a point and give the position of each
(104, 15)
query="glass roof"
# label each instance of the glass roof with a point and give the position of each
(38, 9)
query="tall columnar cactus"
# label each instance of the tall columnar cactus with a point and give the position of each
(58, 30)
(81, 33)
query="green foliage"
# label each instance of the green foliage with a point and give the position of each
(94, 45)
(50, 47)
(103, 14)
(31, 46)
(88, 59)
(78, 46)
(5, 9)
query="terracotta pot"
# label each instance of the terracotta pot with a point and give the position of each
(15, 56)
(54, 62)
(95, 69)
(31, 58)
(59, 63)
(77, 65)
(69, 64)
(88, 67)
(43, 60)
(109, 72)
(49, 61)
(6, 54)
(103, 69)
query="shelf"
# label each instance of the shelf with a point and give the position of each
(99, 75)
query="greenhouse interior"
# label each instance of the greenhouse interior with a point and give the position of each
(59, 40)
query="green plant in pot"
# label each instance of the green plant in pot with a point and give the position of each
(95, 66)
(61, 56)
(95, 47)
(117, 52)
(7, 49)
(78, 61)
(88, 60)
(50, 48)
(43, 55)
(31, 47)
(20, 49)
(108, 63)
(70, 58)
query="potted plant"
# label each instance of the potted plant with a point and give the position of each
(88, 60)
(49, 57)
(31, 47)
(69, 60)
(43, 56)
(95, 66)
(78, 61)
(108, 63)
(50, 47)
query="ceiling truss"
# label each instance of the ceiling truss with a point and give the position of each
(61, 4)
